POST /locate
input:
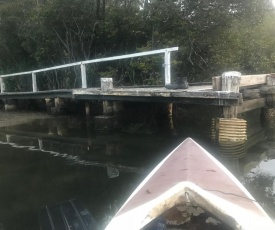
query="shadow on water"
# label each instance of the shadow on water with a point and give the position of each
(49, 161)
(256, 171)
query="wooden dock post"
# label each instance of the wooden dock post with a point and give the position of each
(49, 104)
(89, 123)
(107, 121)
(230, 81)
(269, 110)
(229, 132)
(87, 109)
(106, 85)
(59, 104)
(118, 107)
(11, 104)
(170, 119)
(107, 108)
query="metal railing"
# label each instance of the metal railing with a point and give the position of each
(82, 64)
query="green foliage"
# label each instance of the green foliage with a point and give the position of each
(213, 36)
(247, 48)
(17, 84)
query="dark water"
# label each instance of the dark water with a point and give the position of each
(50, 161)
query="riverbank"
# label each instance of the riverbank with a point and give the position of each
(20, 117)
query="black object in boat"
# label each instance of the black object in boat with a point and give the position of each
(68, 215)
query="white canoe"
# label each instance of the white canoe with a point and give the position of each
(190, 175)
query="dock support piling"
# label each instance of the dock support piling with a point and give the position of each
(11, 104)
(230, 111)
(89, 123)
(59, 104)
(106, 85)
(230, 82)
(106, 122)
(49, 104)
(170, 119)
(230, 132)
(269, 111)
(87, 109)
(118, 107)
(107, 108)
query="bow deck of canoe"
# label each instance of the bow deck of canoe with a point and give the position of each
(187, 183)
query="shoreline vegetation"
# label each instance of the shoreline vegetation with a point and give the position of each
(212, 37)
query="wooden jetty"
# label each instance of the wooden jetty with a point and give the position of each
(254, 91)
(228, 91)
(233, 93)
(193, 95)
(73, 150)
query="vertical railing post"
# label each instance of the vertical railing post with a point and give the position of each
(34, 84)
(167, 67)
(2, 84)
(83, 75)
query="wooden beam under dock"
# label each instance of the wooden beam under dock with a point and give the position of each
(193, 95)
(251, 104)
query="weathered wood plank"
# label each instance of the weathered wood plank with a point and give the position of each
(160, 92)
(246, 81)
(267, 90)
(186, 100)
(270, 79)
(249, 80)
(230, 111)
(217, 83)
(192, 95)
(251, 104)
(270, 101)
(64, 93)
(106, 84)
(231, 81)
(251, 93)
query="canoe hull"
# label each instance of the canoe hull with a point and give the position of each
(191, 175)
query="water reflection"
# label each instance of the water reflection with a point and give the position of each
(47, 162)
(73, 153)
(257, 172)
(39, 168)
(30, 180)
